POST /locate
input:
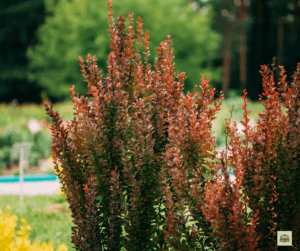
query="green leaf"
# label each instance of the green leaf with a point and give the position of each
(207, 167)
(210, 160)
(100, 198)
(210, 152)
(206, 175)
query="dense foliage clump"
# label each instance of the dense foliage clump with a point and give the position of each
(139, 163)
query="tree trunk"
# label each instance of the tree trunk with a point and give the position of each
(226, 63)
(280, 37)
(295, 30)
(242, 50)
(255, 86)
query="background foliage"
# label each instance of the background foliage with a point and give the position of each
(80, 27)
(270, 28)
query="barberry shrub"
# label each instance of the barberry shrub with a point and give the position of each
(127, 177)
(139, 163)
(266, 166)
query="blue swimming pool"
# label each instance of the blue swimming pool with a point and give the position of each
(38, 178)
(231, 173)
(28, 178)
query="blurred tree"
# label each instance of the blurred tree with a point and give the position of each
(268, 27)
(243, 17)
(18, 22)
(286, 13)
(231, 20)
(271, 35)
(296, 23)
(77, 28)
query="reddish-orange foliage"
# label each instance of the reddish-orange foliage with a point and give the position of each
(143, 155)
(267, 173)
